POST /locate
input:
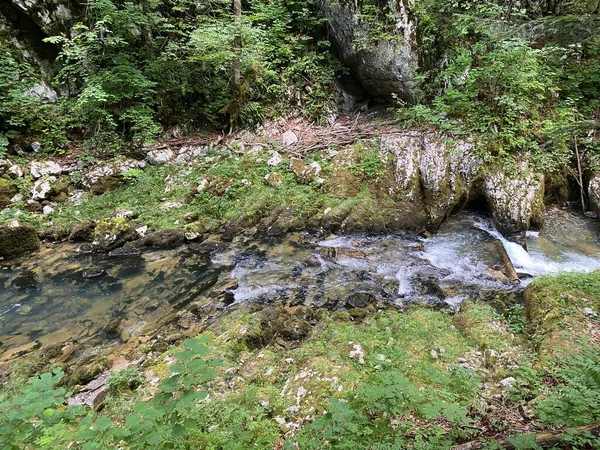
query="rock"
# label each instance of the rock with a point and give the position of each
(164, 239)
(83, 231)
(17, 240)
(54, 234)
(34, 206)
(92, 394)
(383, 66)
(496, 275)
(275, 159)
(274, 179)
(431, 173)
(357, 353)
(508, 382)
(589, 312)
(47, 210)
(41, 188)
(162, 156)
(360, 300)
(106, 177)
(214, 185)
(93, 273)
(305, 173)
(289, 138)
(39, 169)
(112, 233)
(125, 214)
(594, 193)
(189, 154)
(516, 200)
(129, 249)
(7, 192)
(14, 172)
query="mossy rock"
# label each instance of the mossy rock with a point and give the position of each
(163, 239)
(7, 192)
(85, 371)
(555, 307)
(83, 231)
(106, 184)
(112, 233)
(16, 241)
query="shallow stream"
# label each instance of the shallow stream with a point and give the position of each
(63, 294)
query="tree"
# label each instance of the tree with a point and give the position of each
(236, 99)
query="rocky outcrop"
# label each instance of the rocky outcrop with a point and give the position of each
(17, 239)
(430, 171)
(384, 66)
(515, 198)
(109, 175)
(594, 194)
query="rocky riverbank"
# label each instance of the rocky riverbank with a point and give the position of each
(278, 179)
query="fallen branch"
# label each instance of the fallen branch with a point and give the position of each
(545, 440)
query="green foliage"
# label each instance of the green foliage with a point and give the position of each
(134, 68)
(124, 380)
(576, 400)
(37, 407)
(511, 91)
(370, 165)
(20, 109)
(133, 175)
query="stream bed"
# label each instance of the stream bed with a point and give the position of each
(64, 294)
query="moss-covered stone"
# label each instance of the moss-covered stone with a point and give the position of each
(17, 240)
(7, 191)
(83, 231)
(560, 313)
(112, 233)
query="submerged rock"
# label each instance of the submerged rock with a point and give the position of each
(17, 239)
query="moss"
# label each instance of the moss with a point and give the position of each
(7, 191)
(554, 307)
(17, 241)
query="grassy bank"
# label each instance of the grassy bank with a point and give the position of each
(300, 378)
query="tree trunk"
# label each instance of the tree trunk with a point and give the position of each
(236, 99)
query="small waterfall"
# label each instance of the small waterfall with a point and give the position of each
(535, 262)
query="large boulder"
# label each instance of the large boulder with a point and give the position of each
(431, 171)
(515, 198)
(17, 239)
(594, 193)
(383, 66)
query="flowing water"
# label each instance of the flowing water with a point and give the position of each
(64, 294)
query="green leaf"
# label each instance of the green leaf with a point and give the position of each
(103, 423)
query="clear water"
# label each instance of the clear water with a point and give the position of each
(61, 294)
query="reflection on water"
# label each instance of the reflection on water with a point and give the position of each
(62, 294)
